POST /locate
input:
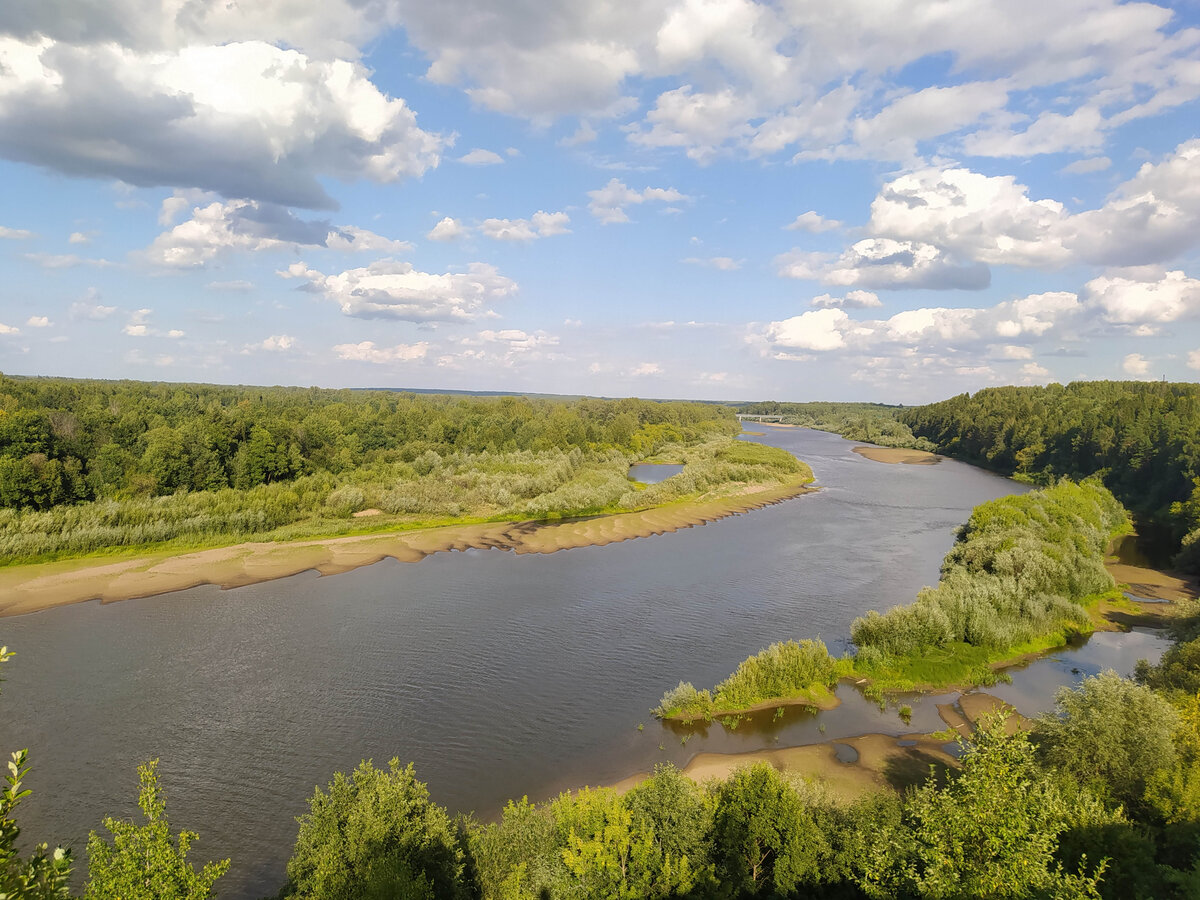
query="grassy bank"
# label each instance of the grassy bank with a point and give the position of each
(1021, 580)
(429, 491)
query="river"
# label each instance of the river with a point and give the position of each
(498, 675)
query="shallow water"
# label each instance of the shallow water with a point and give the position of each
(497, 674)
(653, 473)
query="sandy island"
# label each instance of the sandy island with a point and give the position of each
(899, 455)
(29, 588)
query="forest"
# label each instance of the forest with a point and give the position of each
(90, 466)
(1141, 438)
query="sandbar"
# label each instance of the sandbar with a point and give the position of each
(884, 763)
(38, 586)
(1154, 584)
(899, 455)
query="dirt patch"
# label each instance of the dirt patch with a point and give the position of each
(364, 513)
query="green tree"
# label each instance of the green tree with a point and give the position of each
(375, 832)
(43, 876)
(143, 862)
(992, 832)
(1111, 734)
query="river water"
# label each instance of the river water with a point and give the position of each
(498, 675)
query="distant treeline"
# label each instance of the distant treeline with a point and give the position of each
(1141, 438)
(63, 441)
(873, 423)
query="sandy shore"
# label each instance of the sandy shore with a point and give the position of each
(899, 455)
(1153, 584)
(29, 588)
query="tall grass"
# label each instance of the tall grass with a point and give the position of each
(432, 488)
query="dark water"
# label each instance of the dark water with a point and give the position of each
(653, 473)
(498, 675)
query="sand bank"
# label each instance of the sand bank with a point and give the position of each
(29, 588)
(1153, 584)
(884, 763)
(899, 455)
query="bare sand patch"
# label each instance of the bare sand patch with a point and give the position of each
(29, 588)
(364, 513)
(884, 763)
(899, 455)
(1154, 584)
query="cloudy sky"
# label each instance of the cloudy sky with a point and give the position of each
(870, 199)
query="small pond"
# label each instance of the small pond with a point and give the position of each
(653, 473)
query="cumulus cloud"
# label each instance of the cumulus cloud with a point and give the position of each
(14, 234)
(1087, 166)
(251, 226)
(647, 368)
(609, 202)
(991, 219)
(79, 237)
(446, 230)
(1131, 302)
(1193, 360)
(66, 261)
(1135, 364)
(852, 300)
(884, 263)
(244, 119)
(89, 308)
(478, 157)
(366, 351)
(9, 329)
(387, 289)
(821, 329)
(541, 224)
(38, 322)
(812, 222)
(277, 343)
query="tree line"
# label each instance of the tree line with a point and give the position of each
(1141, 438)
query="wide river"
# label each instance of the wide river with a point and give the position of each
(498, 675)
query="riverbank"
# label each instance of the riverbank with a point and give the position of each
(34, 587)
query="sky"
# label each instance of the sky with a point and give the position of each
(890, 200)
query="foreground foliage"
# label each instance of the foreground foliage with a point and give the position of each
(143, 862)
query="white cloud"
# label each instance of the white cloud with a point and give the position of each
(38, 322)
(584, 134)
(79, 237)
(275, 343)
(540, 224)
(89, 309)
(446, 230)
(647, 368)
(1080, 131)
(66, 261)
(1086, 166)
(478, 157)
(723, 263)
(244, 119)
(813, 222)
(1193, 359)
(608, 203)
(883, 263)
(991, 219)
(822, 329)
(1033, 370)
(929, 113)
(1126, 301)
(8, 329)
(1012, 351)
(14, 234)
(852, 300)
(239, 285)
(366, 351)
(135, 330)
(1135, 364)
(395, 290)
(250, 226)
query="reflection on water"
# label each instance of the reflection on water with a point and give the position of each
(1031, 691)
(497, 674)
(653, 473)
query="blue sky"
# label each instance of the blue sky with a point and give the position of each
(723, 199)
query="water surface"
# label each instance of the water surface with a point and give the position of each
(497, 674)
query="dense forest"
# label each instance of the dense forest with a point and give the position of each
(1141, 438)
(89, 466)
